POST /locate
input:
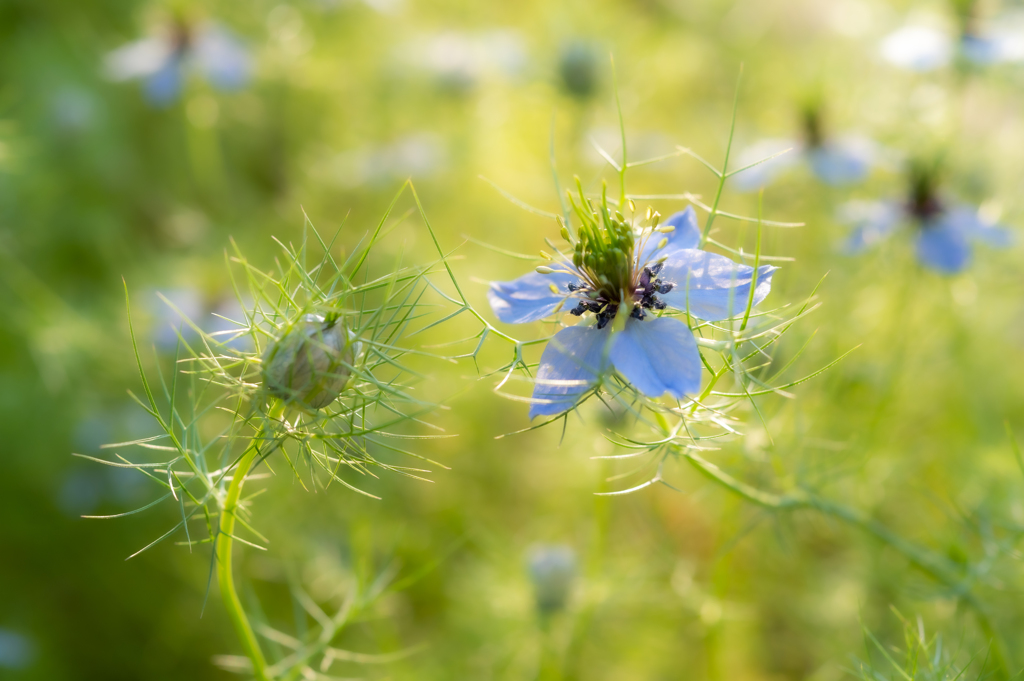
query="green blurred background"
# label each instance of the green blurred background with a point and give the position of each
(347, 100)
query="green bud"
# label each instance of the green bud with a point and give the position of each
(310, 364)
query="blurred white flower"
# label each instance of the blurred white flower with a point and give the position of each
(413, 155)
(459, 61)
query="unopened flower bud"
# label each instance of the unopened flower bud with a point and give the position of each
(310, 363)
(552, 571)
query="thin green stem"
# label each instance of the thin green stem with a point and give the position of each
(622, 133)
(757, 263)
(723, 174)
(933, 565)
(225, 577)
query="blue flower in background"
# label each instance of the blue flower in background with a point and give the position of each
(618, 270)
(835, 161)
(162, 61)
(926, 48)
(944, 232)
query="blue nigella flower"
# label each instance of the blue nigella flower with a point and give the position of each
(945, 231)
(925, 48)
(838, 160)
(617, 269)
(162, 61)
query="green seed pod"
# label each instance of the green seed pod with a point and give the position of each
(310, 364)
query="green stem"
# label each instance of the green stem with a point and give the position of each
(724, 174)
(225, 540)
(929, 563)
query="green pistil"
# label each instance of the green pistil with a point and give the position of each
(603, 251)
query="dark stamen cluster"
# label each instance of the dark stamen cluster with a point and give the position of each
(605, 257)
(644, 298)
(650, 285)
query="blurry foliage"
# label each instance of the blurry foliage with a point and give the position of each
(349, 98)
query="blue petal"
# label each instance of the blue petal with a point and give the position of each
(685, 235)
(981, 50)
(841, 161)
(528, 298)
(711, 286)
(163, 87)
(872, 222)
(222, 59)
(917, 48)
(759, 175)
(570, 365)
(974, 227)
(658, 356)
(942, 245)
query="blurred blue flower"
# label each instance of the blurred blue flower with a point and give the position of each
(162, 61)
(834, 160)
(925, 48)
(944, 234)
(17, 651)
(656, 354)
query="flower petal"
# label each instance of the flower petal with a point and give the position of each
(685, 235)
(163, 87)
(759, 175)
(529, 298)
(917, 48)
(222, 58)
(569, 366)
(942, 245)
(982, 50)
(844, 160)
(138, 59)
(971, 223)
(872, 222)
(711, 286)
(658, 356)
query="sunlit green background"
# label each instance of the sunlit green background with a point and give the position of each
(349, 99)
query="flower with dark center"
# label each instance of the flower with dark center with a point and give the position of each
(311, 363)
(162, 60)
(618, 270)
(834, 160)
(978, 42)
(944, 230)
